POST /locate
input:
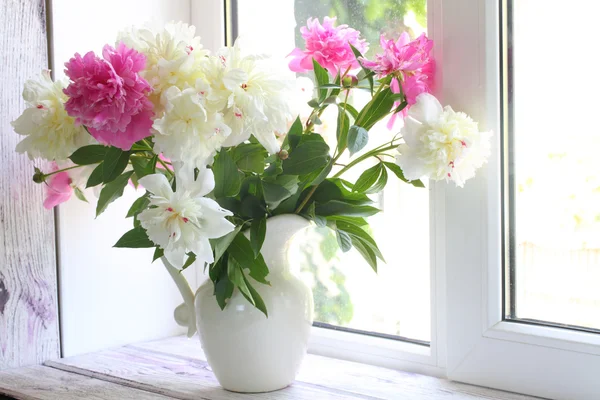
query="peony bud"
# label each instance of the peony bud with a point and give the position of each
(283, 155)
(38, 176)
(349, 81)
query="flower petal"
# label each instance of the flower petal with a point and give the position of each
(176, 256)
(203, 251)
(157, 184)
(214, 224)
(427, 109)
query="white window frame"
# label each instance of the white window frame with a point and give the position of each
(484, 349)
(470, 341)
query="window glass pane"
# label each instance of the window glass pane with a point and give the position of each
(394, 301)
(555, 181)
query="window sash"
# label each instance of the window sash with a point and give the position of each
(483, 348)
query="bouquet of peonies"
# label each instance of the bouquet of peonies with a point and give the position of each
(217, 146)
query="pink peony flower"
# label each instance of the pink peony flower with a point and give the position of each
(108, 95)
(58, 189)
(328, 45)
(410, 63)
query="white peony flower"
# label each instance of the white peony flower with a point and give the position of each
(184, 220)
(173, 55)
(50, 133)
(441, 143)
(186, 132)
(253, 94)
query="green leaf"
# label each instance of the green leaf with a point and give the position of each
(135, 238)
(349, 109)
(344, 240)
(115, 162)
(320, 221)
(343, 125)
(381, 182)
(87, 155)
(223, 286)
(368, 73)
(252, 207)
(400, 107)
(329, 86)
(322, 77)
(395, 168)
(190, 260)
(230, 203)
(306, 158)
(79, 194)
(337, 81)
(357, 221)
(236, 276)
(258, 301)
(289, 182)
(334, 189)
(95, 177)
(249, 157)
(258, 230)
(112, 191)
(376, 109)
(335, 207)
(367, 253)
(274, 168)
(241, 249)
(313, 103)
(368, 178)
(228, 179)
(359, 234)
(221, 244)
(139, 205)
(251, 186)
(158, 253)
(357, 139)
(143, 166)
(140, 145)
(274, 194)
(289, 205)
(294, 135)
(322, 175)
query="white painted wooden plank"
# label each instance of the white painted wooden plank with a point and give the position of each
(28, 292)
(45, 383)
(109, 297)
(178, 377)
(353, 377)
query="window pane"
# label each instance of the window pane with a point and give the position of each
(395, 300)
(555, 182)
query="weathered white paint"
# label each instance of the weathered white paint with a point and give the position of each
(109, 297)
(38, 382)
(28, 294)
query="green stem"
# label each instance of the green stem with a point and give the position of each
(44, 176)
(166, 167)
(371, 153)
(308, 196)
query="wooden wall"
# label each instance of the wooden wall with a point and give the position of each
(29, 332)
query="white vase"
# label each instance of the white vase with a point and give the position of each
(247, 351)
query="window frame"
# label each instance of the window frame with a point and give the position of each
(483, 347)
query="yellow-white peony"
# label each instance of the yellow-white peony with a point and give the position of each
(173, 56)
(253, 93)
(186, 132)
(441, 144)
(50, 133)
